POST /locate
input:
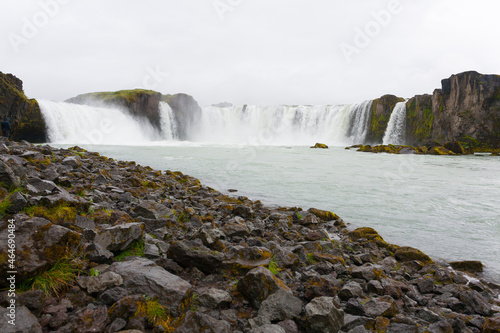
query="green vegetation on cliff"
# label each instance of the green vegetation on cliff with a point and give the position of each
(419, 119)
(380, 114)
(115, 97)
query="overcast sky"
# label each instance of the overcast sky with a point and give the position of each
(247, 51)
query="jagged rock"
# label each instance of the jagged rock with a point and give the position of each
(349, 290)
(151, 251)
(407, 253)
(25, 321)
(324, 215)
(455, 147)
(363, 272)
(476, 303)
(199, 322)
(280, 306)
(214, 298)
(17, 203)
(98, 254)
(246, 258)
(402, 328)
(7, 176)
(380, 306)
(187, 254)
(209, 236)
(236, 230)
(37, 186)
(152, 210)
(113, 295)
(84, 222)
(258, 284)
(72, 161)
(468, 266)
(323, 316)
(268, 328)
(42, 244)
(440, 327)
(143, 276)
(243, 211)
(320, 145)
(289, 326)
(89, 319)
(119, 237)
(101, 282)
(492, 325)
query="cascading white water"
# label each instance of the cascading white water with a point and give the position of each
(167, 122)
(396, 128)
(83, 124)
(284, 125)
(242, 125)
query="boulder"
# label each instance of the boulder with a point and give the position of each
(492, 325)
(188, 254)
(324, 215)
(384, 306)
(407, 253)
(349, 290)
(469, 266)
(142, 276)
(323, 316)
(455, 147)
(25, 321)
(17, 202)
(153, 210)
(100, 282)
(39, 245)
(320, 145)
(268, 328)
(7, 176)
(280, 306)
(213, 298)
(258, 284)
(119, 237)
(200, 322)
(241, 258)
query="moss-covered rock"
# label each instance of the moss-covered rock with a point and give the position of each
(380, 114)
(324, 215)
(320, 145)
(407, 253)
(26, 119)
(139, 102)
(470, 266)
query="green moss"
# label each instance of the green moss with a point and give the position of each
(273, 267)
(60, 213)
(129, 96)
(134, 249)
(420, 120)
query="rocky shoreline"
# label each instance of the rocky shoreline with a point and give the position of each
(112, 246)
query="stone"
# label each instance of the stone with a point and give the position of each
(280, 306)
(152, 210)
(200, 322)
(72, 161)
(289, 326)
(96, 253)
(380, 306)
(246, 258)
(7, 176)
(363, 272)
(402, 328)
(17, 203)
(38, 186)
(492, 325)
(236, 230)
(258, 284)
(407, 253)
(84, 222)
(215, 298)
(119, 237)
(101, 282)
(142, 276)
(324, 215)
(455, 147)
(269, 328)
(323, 316)
(320, 145)
(187, 254)
(243, 211)
(113, 295)
(349, 290)
(476, 303)
(440, 327)
(469, 266)
(25, 321)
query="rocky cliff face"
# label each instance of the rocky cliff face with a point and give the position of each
(140, 103)
(187, 113)
(26, 119)
(380, 115)
(466, 108)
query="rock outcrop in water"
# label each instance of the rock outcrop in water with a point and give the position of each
(187, 112)
(106, 246)
(139, 103)
(26, 119)
(380, 114)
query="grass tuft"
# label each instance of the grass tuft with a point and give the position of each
(135, 249)
(54, 280)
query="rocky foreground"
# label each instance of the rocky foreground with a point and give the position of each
(111, 246)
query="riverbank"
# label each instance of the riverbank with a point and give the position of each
(204, 259)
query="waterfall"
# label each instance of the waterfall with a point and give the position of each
(396, 128)
(285, 125)
(336, 125)
(167, 122)
(83, 124)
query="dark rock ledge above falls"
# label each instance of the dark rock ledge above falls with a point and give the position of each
(158, 251)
